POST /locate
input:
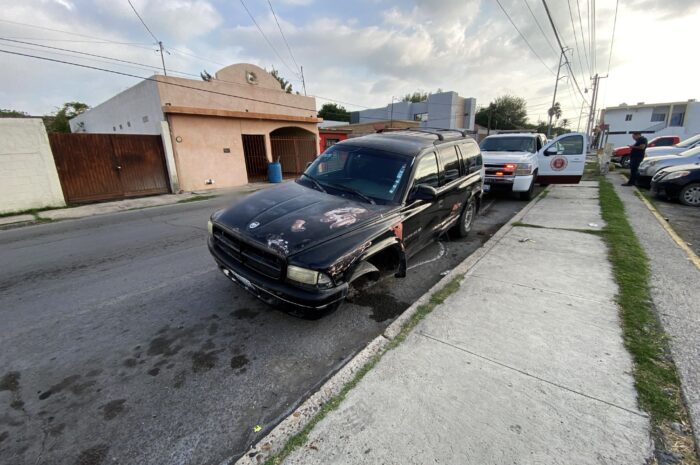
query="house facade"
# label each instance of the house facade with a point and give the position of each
(222, 132)
(440, 110)
(651, 119)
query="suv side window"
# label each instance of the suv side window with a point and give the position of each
(427, 171)
(450, 163)
(539, 143)
(570, 145)
(471, 155)
(664, 142)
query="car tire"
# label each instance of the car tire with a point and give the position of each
(527, 195)
(625, 161)
(690, 195)
(466, 219)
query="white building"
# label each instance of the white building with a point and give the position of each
(680, 119)
(441, 110)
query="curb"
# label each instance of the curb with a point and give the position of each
(293, 424)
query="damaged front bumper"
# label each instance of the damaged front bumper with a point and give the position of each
(278, 293)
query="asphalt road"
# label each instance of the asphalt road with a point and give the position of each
(122, 343)
(684, 220)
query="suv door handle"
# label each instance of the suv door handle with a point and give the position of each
(440, 202)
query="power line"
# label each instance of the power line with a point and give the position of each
(159, 42)
(142, 65)
(69, 33)
(556, 35)
(282, 34)
(577, 49)
(142, 21)
(612, 40)
(527, 4)
(266, 39)
(593, 40)
(523, 37)
(583, 38)
(148, 79)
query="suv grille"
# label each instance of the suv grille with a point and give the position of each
(503, 168)
(250, 256)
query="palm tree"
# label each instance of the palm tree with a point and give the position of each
(555, 111)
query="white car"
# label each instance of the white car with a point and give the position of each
(677, 149)
(650, 166)
(516, 161)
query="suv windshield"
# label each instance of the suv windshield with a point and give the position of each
(688, 142)
(364, 173)
(508, 144)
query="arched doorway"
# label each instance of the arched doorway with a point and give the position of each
(294, 147)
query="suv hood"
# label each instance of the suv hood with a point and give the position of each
(507, 157)
(290, 218)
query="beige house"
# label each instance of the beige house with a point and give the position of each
(216, 133)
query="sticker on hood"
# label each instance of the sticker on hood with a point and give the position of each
(342, 216)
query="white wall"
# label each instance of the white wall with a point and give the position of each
(124, 113)
(28, 176)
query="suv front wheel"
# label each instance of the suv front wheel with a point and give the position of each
(527, 195)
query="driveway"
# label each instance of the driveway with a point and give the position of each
(122, 343)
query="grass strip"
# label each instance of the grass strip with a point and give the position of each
(196, 198)
(655, 374)
(422, 311)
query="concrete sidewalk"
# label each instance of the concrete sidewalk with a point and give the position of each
(102, 208)
(523, 364)
(675, 292)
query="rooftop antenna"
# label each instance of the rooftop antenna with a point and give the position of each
(159, 42)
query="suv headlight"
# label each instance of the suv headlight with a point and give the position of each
(306, 276)
(676, 175)
(523, 169)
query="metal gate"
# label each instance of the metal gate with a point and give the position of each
(95, 167)
(294, 153)
(255, 157)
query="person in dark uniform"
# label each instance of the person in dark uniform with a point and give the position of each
(636, 156)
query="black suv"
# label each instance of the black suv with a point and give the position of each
(364, 206)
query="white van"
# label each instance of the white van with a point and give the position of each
(516, 161)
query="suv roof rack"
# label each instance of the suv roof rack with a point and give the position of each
(440, 132)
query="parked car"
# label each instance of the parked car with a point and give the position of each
(621, 155)
(516, 161)
(364, 206)
(680, 147)
(681, 182)
(650, 166)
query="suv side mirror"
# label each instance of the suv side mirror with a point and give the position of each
(551, 151)
(423, 192)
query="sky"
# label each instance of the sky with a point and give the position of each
(359, 53)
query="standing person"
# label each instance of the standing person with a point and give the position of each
(636, 156)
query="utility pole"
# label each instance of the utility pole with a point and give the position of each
(162, 59)
(594, 101)
(391, 118)
(554, 97)
(303, 82)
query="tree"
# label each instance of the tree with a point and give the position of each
(58, 122)
(334, 112)
(506, 112)
(555, 111)
(415, 97)
(5, 113)
(284, 84)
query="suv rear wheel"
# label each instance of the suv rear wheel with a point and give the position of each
(466, 219)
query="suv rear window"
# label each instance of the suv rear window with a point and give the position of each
(450, 163)
(509, 144)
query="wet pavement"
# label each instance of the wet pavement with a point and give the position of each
(122, 343)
